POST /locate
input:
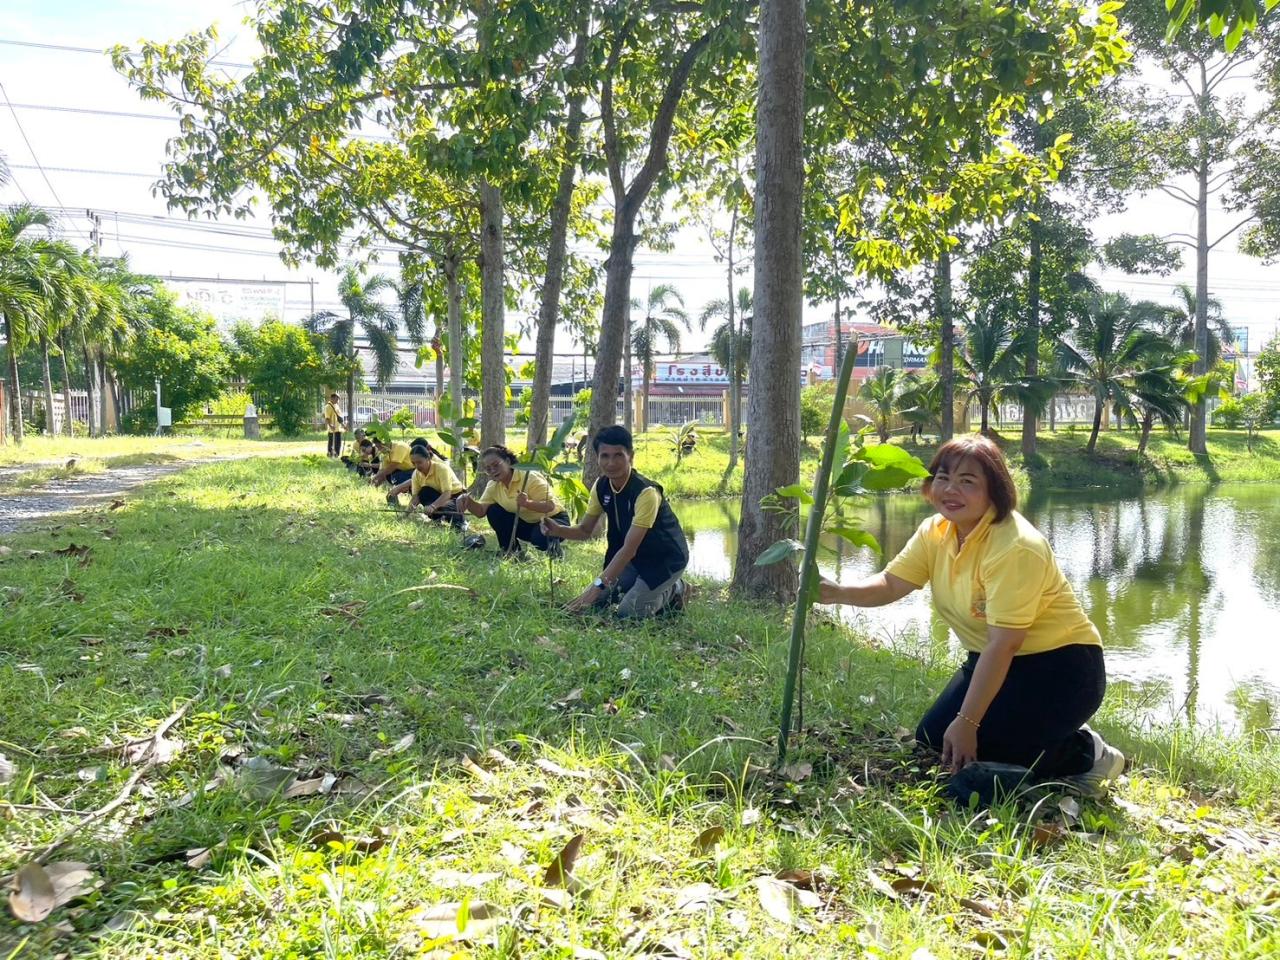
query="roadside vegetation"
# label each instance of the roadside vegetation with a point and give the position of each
(381, 745)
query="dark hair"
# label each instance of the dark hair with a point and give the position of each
(501, 452)
(423, 449)
(614, 436)
(984, 452)
(332, 396)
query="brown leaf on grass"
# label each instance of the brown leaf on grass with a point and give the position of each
(983, 908)
(473, 768)
(460, 921)
(349, 611)
(799, 771)
(39, 890)
(116, 505)
(156, 633)
(990, 940)
(554, 769)
(559, 872)
(497, 759)
(708, 839)
(309, 788)
(781, 900)
(68, 589)
(908, 886)
(1047, 834)
(798, 877)
(81, 552)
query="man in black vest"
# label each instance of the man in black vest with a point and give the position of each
(647, 551)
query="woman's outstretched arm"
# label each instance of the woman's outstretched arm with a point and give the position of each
(873, 591)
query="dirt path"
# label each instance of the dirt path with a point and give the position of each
(75, 493)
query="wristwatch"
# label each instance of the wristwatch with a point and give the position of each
(599, 583)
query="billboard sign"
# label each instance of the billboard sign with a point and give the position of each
(229, 301)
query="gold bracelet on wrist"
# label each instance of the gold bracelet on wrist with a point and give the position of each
(969, 720)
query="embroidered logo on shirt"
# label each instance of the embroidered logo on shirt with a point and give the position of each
(608, 499)
(978, 608)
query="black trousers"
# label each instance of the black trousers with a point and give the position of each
(501, 520)
(429, 495)
(1035, 719)
(397, 477)
(335, 443)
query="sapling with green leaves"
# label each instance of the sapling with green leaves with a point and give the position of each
(850, 470)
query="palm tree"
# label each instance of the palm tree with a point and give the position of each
(64, 270)
(24, 240)
(664, 310)
(1178, 323)
(368, 317)
(881, 391)
(115, 311)
(920, 402)
(989, 362)
(731, 346)
(1108, 348)
(1159, 389)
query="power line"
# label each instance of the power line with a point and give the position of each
(55, 108)
(32, 151)
(67, 48)
(96, 173)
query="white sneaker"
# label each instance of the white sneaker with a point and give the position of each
(1108, 762)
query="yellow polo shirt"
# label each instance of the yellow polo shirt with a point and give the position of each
(1005, 575)
(532, 483)
(439, 476)
(331, 416)
(397, 456)
(647, 505)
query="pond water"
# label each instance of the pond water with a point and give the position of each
(1184, 585)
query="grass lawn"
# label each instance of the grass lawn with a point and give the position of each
(364, 772)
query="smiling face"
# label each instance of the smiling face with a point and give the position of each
(959, 492)
(614, 460)
(496, 468)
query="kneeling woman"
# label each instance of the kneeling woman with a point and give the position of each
(1034, 672)
(396, 467)
(433, 486)
(515, 502)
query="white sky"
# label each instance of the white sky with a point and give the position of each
(64, 141)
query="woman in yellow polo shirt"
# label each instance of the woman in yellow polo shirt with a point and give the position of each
(515, 502)
(1034, 673)
(396, 466)
(433, 486)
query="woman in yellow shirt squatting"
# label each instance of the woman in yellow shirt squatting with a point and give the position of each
(434, 486)
(396, 465)
(1034, 673)
(515, 502)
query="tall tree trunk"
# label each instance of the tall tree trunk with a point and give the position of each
(15, 387)
(735, 384)
(493, 368)
(774, 404)
(553, 282)
(1196, 435)
(110, 401)
(66, 384)
(92, 410)
(627, 201)
(648, 375)
(457, 352)
(1097, 426)
(48, 387)
(1035, 261)
(947, 346)
(1147, 420)
(437, 344)
(628, 388)
(986, 408)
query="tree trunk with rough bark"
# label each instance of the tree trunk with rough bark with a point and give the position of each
(1196, 434)
(48, 386)
(92, 411)
(437, 344)
(773, 408)
(15, 386)
(735, 382)
(627, 201)
(493, 368)
(457, 351)
(553, 282)
(947, 347)
(1035, 261)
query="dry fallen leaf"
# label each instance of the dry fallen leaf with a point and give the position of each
(780, 900)
(309, 788)
(1046, 834)
(797, 877)
(695, 897)
(400, 746)
(708, 839)
(555, 770)
(369, 844)
(459, 921)
(799, 771)
(980, 907)
(1070, 808)
(38, 891)
(559, 871)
